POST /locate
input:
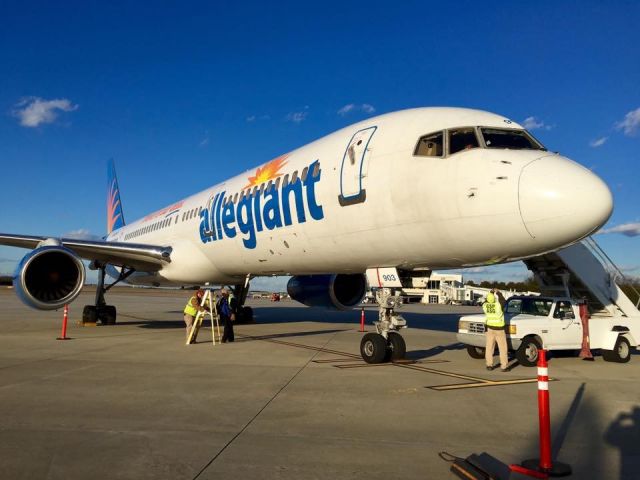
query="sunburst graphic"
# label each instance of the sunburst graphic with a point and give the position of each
(268, 172)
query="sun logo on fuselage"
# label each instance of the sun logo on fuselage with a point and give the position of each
(269, 171)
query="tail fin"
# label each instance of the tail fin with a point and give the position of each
(115, 217)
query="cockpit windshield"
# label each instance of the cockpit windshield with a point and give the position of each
(509, 138)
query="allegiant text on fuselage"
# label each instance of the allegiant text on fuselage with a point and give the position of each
(259, 209)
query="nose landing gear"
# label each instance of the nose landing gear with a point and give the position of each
(387, 344)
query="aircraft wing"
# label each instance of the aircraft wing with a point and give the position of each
(146, 258)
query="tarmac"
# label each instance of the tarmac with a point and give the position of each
(290, 399)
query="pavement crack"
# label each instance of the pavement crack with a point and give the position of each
(264, 407)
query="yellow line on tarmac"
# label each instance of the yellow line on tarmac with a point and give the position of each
(487, 383)
(440, 372)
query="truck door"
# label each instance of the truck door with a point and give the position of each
(353, 168)
(566, 327)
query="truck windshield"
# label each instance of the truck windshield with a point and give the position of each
(530, 306)
(509, 138)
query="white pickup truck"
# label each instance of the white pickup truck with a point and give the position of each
(552, 323)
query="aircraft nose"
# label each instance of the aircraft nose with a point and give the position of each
(561, 201)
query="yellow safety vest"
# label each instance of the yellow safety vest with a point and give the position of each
(190, 309)
(494, 314)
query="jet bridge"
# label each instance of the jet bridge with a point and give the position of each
(584, 270)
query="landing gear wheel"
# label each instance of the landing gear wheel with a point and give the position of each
(528, 352)
(396, 347)
(373, 348)
(475, 352)
(621, 353)
(89, 315)
(108, 315)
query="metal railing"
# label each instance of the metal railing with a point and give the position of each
(615, 273)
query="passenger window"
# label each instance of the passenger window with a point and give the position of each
(462, 139)
(514, 306)
(564, 308)
(430, 146)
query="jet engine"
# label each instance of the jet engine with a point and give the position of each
(340, 292)
(49, 277)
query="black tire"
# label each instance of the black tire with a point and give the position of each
(528, 352)
(475, 352)
(621, 352)
(396, 347)
(247, 313)
(373, 348)
(89, 314)
(108, 315)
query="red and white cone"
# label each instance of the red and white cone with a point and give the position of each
(544, 464)
(65, 318)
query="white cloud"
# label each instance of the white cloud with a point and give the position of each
(352, 107)
(205, 141)
(34, 111)
(631, 123)
(530, 123)
(296, 117)
(627, 229)
(81, 234)
(251, 118)
(598, 142)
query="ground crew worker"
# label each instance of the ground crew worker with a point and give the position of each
(494, 331)
(227, 315)
(191, 310)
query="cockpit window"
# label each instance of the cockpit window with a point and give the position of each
(462, 139)
(511, 139)
(430, 145)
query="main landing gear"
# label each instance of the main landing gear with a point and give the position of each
(387, 344)
(243, 314)
(102, 312)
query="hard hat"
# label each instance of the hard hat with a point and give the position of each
(491, 298)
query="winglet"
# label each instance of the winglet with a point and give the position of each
(115, 217)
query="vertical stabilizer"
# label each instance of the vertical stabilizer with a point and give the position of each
(115, 217)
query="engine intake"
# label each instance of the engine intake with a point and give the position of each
(340, 292)
(49, 277)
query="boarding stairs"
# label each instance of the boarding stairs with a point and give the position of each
(585, 271)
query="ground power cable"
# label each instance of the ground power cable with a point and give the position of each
(233, 439)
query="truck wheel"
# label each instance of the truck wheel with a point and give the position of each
(528, 352)
(621, 353)
(475, 352)
(373, 348)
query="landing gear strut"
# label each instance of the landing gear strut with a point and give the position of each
(244, 314)
(102, 312)
(387, 344)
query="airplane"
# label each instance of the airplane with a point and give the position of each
(420, 188)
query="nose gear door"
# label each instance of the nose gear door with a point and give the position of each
(351, 172)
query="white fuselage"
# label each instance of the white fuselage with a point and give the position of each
(368, 201)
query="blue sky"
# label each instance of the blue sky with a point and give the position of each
(184, 94)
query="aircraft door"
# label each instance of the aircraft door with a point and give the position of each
(352, 170)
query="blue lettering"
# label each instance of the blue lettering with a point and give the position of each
(228, 217)
(296, 188)
(223, 218)
(219, 215)
(271, 211)
(205, 235)
(244, 218)
(313, 177)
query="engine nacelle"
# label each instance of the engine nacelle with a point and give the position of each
(340, 292)
(49, 277)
